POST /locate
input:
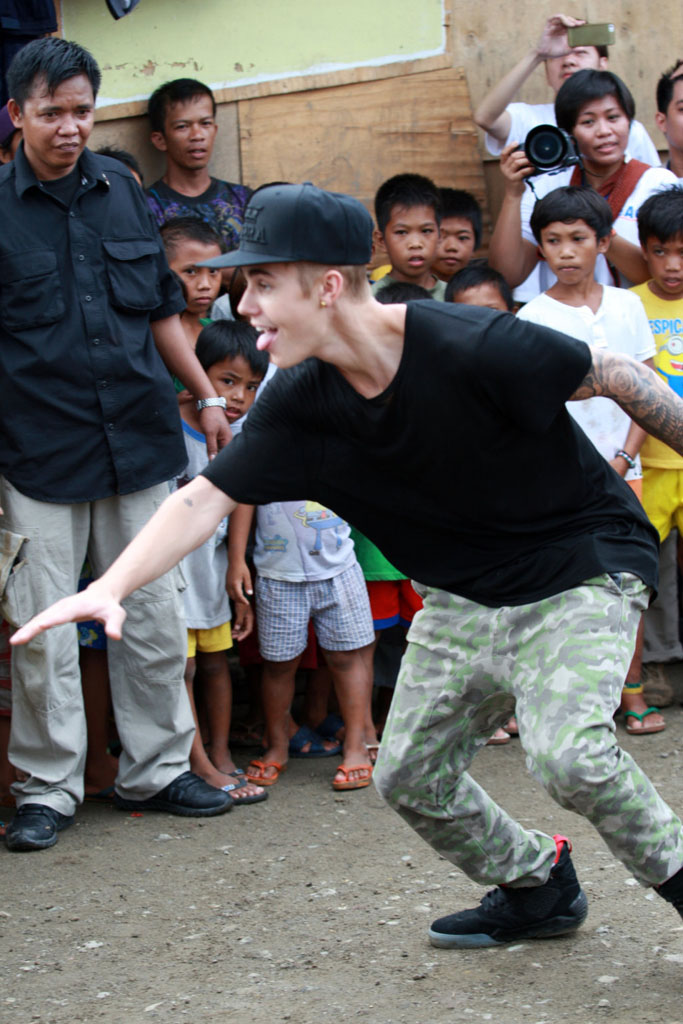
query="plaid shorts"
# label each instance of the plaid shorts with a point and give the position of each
(339, 608)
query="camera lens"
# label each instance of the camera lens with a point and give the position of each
(545, 146)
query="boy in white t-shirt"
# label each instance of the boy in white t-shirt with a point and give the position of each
(572, 228)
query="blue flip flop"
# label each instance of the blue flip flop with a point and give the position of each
(304, 735)
(330, 726)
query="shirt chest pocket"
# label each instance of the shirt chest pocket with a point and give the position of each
(133, 273)
(31, 292)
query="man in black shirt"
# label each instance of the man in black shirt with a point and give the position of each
(89, 436)
(442, 433)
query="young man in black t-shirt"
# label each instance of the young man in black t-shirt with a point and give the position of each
(441, 432)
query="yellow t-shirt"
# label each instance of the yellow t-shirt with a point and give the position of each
(666, 324)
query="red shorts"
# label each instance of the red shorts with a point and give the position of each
(392, 602)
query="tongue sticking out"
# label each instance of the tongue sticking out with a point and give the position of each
(265, 340)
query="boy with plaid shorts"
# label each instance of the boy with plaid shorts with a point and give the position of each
(306, 569)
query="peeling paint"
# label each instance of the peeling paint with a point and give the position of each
(149, 68)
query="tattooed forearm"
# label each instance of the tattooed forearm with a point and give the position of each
(639, 392)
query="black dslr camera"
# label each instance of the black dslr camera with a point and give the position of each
(550, 149)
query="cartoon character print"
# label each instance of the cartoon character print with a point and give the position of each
(320, 518)
(669, 363)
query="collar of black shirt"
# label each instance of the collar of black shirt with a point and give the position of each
(88, 164)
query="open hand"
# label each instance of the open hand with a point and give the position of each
(92, 603)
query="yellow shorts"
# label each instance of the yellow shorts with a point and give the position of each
(663, 499)
(208, 641)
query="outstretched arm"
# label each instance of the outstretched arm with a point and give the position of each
(185, 520)
(639, 392)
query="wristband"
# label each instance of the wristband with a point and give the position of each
(206, 403)
(628, 459)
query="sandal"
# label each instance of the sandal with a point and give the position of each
(642, 729)
(260, 766)
(347, 783)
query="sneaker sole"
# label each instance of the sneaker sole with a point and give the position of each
(555, 926)
(171, 808)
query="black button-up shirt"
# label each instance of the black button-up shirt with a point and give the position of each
(87, 407)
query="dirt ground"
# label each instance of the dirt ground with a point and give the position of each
(314, 906)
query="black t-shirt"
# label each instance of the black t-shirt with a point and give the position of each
(467, 471)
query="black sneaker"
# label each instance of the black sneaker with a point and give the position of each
(35, 827)
(187, 795)
(509, 915)
(672, 891)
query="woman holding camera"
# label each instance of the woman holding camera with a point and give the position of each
(596, 109)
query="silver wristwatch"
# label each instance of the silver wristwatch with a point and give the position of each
(206, 403)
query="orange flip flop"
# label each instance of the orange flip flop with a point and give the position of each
(265, 780)
(347, 783)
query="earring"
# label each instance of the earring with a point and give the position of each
(322, 303)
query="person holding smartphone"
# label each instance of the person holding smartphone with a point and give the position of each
(505, 121)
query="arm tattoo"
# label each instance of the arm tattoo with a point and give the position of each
(639, 392)
(189, 502)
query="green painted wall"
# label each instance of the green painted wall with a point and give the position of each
(235, 42)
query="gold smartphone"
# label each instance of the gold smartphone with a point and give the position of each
(592, 35)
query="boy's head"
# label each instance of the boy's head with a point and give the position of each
(669, 116)
(53, 85)
(478, 284)
(572, 226)
(124, 157)
(408, 212)
(401, 291)
(559, 69)
(227, 351)
(189, 241)
(182, 117)
(588, 86)
(460, 232)
(660, 231)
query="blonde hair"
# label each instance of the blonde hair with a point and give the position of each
(355, 277)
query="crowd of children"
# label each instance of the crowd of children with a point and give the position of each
(595, 251)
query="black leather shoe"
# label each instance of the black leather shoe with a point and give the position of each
(188, 795)
(35, 827)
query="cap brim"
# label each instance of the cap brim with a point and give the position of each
(240, 258)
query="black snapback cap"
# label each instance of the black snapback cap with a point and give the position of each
(301, 223)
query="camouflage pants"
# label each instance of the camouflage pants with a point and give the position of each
(563, 660)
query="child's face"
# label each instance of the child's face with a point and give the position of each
(665, 263)
(411, 238)
(236, 382)
(559, 69)
(671, 123)
(570, 250)
(455, 248)
(189, 133)
(485, 294)
(202, 284)
(601, 131)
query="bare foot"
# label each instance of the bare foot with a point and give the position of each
(221, 758)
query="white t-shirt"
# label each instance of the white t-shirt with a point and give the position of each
(625, 224)
(620, 325)
(205, 569)
(525, 116)
(301, 541)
